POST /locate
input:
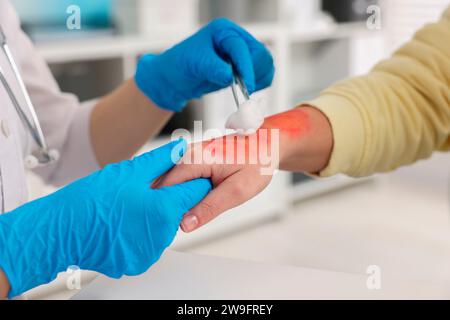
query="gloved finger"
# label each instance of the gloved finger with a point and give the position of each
(265, 81)
(215, 70)
(263, 65)
(234, 47)
(184, 196)
(151, 165)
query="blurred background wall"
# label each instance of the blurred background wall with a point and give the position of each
(395, 220)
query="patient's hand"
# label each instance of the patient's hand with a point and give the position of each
(241, 167)
(235, 178)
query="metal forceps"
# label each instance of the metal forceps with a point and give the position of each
(238, 83)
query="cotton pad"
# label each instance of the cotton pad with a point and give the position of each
(247, 119)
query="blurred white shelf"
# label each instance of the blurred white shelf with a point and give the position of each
(92, 49)
(122, 46)
(331, 31)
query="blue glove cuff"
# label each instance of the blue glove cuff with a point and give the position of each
(153, 82)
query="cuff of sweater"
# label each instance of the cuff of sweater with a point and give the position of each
(348, 134)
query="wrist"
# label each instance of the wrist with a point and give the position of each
(305, 139)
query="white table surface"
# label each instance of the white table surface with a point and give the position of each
(191, 276)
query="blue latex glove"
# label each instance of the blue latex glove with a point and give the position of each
(111, 222)
(201, 64)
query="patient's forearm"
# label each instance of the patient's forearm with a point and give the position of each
(305, 139)
(304, 144)
(122, 122)
(4, 285)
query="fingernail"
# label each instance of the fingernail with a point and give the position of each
(190, 222)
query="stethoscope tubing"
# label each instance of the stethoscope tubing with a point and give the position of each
(32, 124)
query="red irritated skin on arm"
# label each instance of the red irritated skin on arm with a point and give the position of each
(292, 123)
(304, 144)
(305, 139)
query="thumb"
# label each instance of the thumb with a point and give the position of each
(151, 165)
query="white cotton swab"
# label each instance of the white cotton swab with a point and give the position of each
(249, 117)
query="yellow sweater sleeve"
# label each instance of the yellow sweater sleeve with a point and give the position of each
(398, 113)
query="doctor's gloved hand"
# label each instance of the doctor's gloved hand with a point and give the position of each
(111, 222)
(201, 64)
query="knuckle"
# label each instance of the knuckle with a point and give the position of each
(208, 211)
(238, 190)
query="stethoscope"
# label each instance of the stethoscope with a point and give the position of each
(43, 156)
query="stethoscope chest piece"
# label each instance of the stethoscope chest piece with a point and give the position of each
(32, 161)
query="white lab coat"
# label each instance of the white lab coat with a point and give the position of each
(64, 121)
